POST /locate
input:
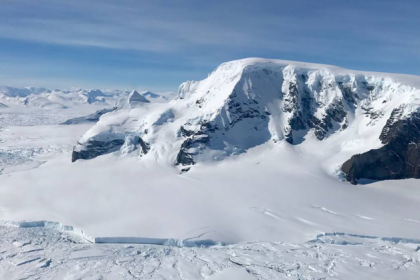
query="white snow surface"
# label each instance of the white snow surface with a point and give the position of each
(50, 253)
(249, 189)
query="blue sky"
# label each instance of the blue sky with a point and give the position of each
(159, 44)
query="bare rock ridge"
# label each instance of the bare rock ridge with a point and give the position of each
(94, 148)
(89, 118)
(250, 102)
(399, 158)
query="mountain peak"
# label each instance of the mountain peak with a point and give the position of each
(135, 97)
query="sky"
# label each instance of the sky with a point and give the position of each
(158, 44)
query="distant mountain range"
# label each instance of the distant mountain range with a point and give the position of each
(39, 97)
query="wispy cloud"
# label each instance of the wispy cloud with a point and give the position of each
(140, 34)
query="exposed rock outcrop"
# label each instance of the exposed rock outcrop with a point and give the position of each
(399, 158)
(195, 142)
(94, 148)
(89, 118)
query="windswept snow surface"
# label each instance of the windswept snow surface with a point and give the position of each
(47, 253)
(267, 192)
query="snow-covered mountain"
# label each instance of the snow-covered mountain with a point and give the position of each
(134, 99)
(251, 102)
(20, 92)
(35, 97)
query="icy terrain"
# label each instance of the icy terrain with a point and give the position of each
(237, 178)
(29, 135)
(47, 253)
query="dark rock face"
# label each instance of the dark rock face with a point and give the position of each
(240, 110)
(298, 102)
(93, 148)
(398, 159)
(348, 94)
(302, 105)
(96, 148)
(143, 145)
(185, 132)
(391, 128)
(184, 170)
(195, 142)
(89, 118)
(334, 112)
